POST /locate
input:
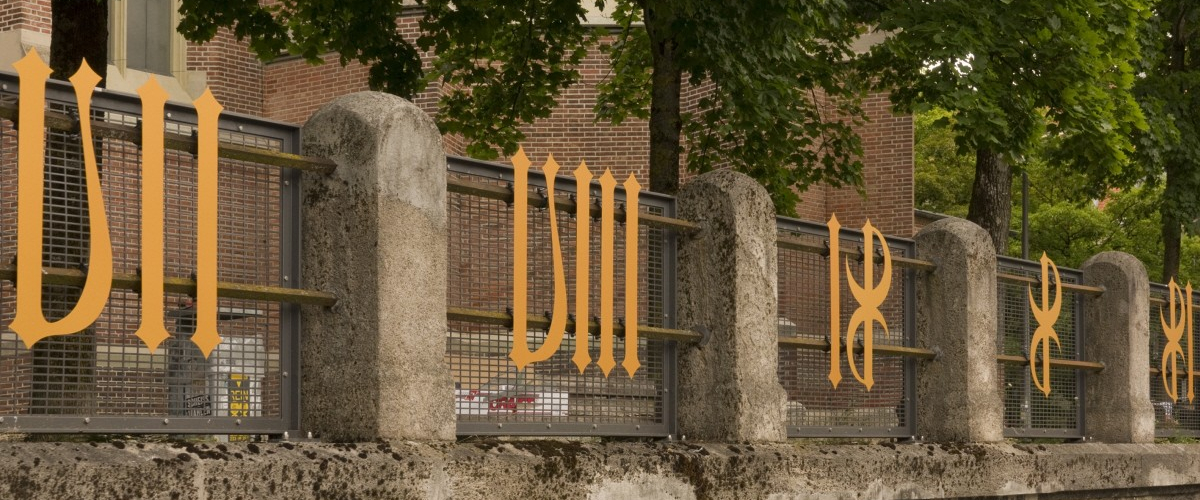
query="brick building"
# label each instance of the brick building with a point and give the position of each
(290, 90)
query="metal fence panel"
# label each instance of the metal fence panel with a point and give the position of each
(1172, 418)
(815, 408)
(1027, 411)
(104, 379)
(552, 397)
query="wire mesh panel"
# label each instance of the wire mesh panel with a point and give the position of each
(815, 408)
(105, 373)
(1173, 417)
(1027, 411)
(552, 397)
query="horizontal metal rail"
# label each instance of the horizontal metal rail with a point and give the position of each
(538, 321)
(1093, 291)
(76, 277)
(792, 243)
(565, 204)
(1087, 366)
(891, 350)
(179, 142)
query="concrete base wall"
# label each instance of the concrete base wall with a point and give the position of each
(563, 469)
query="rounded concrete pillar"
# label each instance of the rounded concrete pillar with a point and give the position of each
(374, 233)
(1117, 408)
(958, 394)
(729, 385)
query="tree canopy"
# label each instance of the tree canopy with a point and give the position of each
(783, 97)
(1012, 72)
(1169, 93)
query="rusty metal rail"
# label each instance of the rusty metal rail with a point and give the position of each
(565, 204)
(76, 277)
(538, 321)
(891, 350)
(179, 142)
(1087, 366)
(792, 243)
(1091, 291)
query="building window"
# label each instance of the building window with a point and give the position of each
(142, 35)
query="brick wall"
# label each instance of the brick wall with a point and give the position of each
(33, 15)
(231, 71)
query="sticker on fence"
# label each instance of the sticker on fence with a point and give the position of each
(30, 323)
(521, 355)
(869, 297)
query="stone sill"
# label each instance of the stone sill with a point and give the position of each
(567, 469)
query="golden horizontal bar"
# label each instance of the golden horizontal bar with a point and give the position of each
(792, 243)
(563, 203)
(890, 350)
(179, 142)
(1181, 372)
(538, 321)
(76, 277)
(1087, 366)
(1093, 291)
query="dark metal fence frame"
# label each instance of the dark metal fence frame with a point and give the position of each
(1028, 431)
(468, 166)
(289, 419)
(788, 225)
(1158, 295)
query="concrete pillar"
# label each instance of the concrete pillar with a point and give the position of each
(728, 385)
(1117, 400)
(374, 233)
(958, 394)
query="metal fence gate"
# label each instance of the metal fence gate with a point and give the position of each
(104, 379)
(552, 397)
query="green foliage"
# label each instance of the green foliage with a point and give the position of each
(507, 63)
(1169, 93)
(765, 61)
(1002, 67)
(942, 176)
(1064, 221)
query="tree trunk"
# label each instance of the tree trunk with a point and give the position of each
(666, 81)
(991, 197)
(1172, 226)
(79, 32)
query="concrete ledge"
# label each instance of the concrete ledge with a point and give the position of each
(558, 469)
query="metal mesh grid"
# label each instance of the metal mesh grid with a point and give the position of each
(1180, 417)
(491, 396)
(106, 370)
(815, 408)
(1027, 411)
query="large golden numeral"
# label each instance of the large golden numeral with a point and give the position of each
(30, 323)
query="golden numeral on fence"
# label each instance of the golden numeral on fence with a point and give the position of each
(29, 322)
(520, 354)
(1045, 316)
(1178, 320)
(870, 297)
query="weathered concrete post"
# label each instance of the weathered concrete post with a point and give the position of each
(729, 387)
(1117, 405)
(374, 233)
(958, 393)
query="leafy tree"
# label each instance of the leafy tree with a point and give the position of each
(941, 175)
(1012, 71)
(781, 107)
(1065, 221)
(1169, 93)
